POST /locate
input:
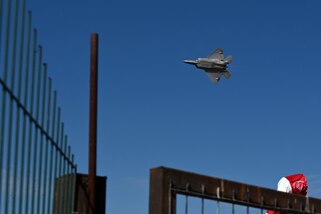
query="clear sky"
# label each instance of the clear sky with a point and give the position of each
(260, 125)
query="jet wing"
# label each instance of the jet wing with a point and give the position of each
(217, 54)
(226, 74)
(215, 77)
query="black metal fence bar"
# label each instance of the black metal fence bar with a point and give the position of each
(18, 116)
(4, 100)
(34, 150)
(2, 125)
(50, 201)
(46, 166)
(166, 184)
(24, 117)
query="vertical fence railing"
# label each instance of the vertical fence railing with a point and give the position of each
(34, 150)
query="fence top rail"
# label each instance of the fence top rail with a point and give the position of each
(173, 181)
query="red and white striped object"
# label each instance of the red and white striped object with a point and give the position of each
(296, 184)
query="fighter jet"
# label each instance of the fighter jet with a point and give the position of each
(215, 65)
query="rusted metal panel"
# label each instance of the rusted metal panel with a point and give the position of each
(78, 198)
(315, 205)
(165, 181)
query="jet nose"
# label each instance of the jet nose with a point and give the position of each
(193, 62)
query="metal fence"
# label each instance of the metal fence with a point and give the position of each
(33, 146)
(174, 191)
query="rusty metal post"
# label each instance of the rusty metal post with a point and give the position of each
(93, 124)
(161, 199)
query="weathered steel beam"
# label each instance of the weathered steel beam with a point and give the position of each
(165, 183)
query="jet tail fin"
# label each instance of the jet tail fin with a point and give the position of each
(229, 59)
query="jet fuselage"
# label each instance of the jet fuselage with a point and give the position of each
(208, 64)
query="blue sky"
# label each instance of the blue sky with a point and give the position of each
(154, 110)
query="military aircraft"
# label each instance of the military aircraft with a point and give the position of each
(215, 65)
